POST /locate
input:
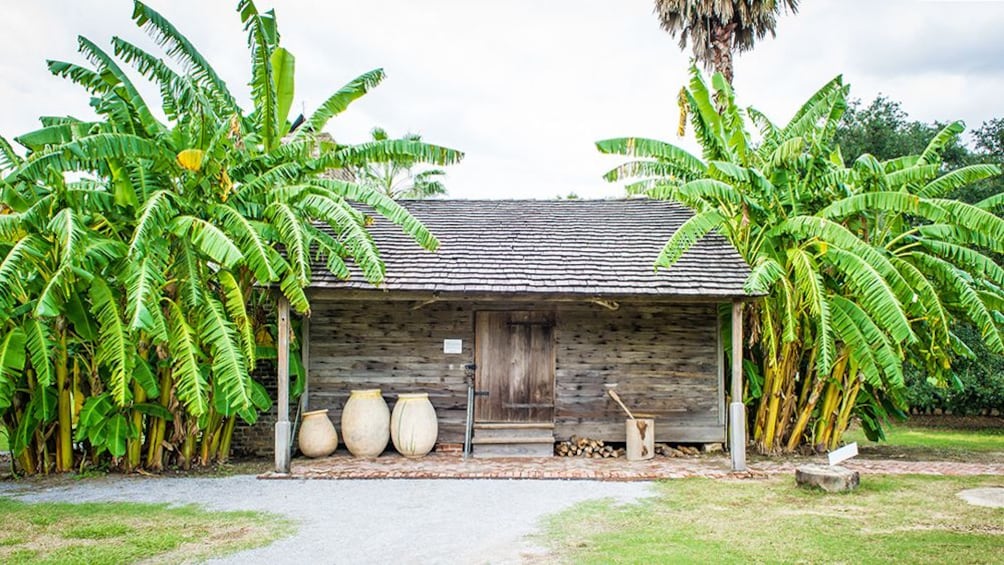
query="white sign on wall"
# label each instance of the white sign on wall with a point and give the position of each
(453, 346)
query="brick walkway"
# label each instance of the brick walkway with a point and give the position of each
(453, 466)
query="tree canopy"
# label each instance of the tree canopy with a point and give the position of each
(717, 28)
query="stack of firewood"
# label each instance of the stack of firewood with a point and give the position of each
(585, 447)
(667, 450)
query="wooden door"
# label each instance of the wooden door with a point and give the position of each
(514, 353)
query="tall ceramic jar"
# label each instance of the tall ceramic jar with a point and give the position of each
(317, 437)
(413, 425)
(366, 423)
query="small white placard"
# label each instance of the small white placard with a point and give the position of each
(453, 346)
(844, 453)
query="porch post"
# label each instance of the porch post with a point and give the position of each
(737, 411)
(282, 426)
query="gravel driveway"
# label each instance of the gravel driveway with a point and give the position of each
(367, 521)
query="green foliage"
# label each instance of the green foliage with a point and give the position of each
(862, 263)
(136, 253)
(393, 174)
(976, 385)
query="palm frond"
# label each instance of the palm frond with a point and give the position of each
(290, 228)
(208, 239)
(180, 49)
(877, 358)
(153, 218)
(262, 81)
(115, 349)
(810, 284)
(339, 101)
(252, 244)
(689, 233)
(39, 346)
(927, 297)
(92, 81)
(109, 70)
(236, 308)
(388, 151)
(957, 179)
(144, 279)
(192, 389)
(910, 176)
(349, 227)
(90, 154)
(969, 301)
(12, 360)
(932, 153)
(874, 293)
(9, 159)
(765, 273)
(386, 207)
(229, 369)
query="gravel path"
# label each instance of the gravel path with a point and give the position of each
(367, 521)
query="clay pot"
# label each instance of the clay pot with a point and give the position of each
(366, 423)
(413, 425)
(317, 437)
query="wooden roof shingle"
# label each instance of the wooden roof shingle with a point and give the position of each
(579, 247)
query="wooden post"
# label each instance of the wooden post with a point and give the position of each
(305, 361)
(737, 411)
(282, 426)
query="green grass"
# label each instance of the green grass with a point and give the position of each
(916, 437)
(114, 533)
(906, 519)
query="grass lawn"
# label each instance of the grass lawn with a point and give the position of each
(902, 519)
(915, 441)
(115, 533)
(936, 438)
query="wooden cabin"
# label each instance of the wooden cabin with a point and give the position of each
(550, 301)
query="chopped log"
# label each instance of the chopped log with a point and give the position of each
(829, 478)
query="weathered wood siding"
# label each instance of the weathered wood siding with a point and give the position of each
(663, 360)
(662, 357)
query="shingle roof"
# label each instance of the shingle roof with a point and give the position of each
(587, 247)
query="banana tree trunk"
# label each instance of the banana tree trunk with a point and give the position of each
(64, 419)
(155, 452)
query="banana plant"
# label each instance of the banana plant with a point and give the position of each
(152, 242)
(861, 265)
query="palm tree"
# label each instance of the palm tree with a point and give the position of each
(396, 178)
(717, 28)
(862, 266)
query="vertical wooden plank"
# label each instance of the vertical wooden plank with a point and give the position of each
(720, 367)
(305, 361)
(282, 426)
(737, 411)
(541, 369)
(517, 386)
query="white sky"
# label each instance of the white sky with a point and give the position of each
(525, 87)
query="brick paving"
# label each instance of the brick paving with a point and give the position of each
(453, 466)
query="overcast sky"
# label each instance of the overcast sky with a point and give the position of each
(525, 87)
